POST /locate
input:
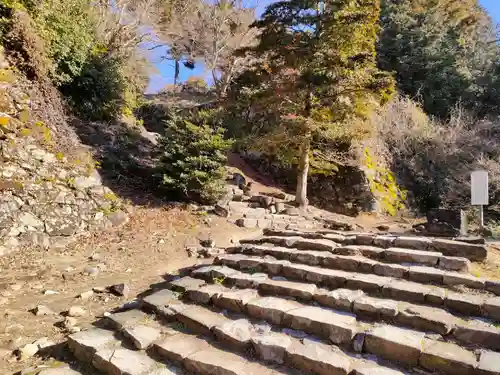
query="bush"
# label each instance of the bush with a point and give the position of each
(433, 159)
(98, 93)
(193, 159)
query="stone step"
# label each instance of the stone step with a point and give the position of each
(392, 343)
(105, 352)
(463, 303)
(474, 252)
(389, 255)
(419, 317)
(356, 263)
(266, 342)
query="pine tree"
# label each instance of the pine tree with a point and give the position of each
(317, 76)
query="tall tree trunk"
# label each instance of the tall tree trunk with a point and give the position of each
(303, 172)
(177, 71)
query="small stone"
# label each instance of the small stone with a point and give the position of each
(207, 243)
(27, 351)
(86, 295)
(50, 292)
(42, 310)
(74, 329)
(76, 311)
(95, 256)
(383, 227)
(70, 322)
(358, 342)
(120, 289)
(99, 289)
(91, 271)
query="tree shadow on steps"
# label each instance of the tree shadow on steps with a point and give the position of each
(127, 160)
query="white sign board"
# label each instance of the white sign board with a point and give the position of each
(479, 188)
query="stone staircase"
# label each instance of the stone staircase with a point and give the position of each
(325, 302)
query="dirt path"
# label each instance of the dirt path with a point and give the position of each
(139, 253)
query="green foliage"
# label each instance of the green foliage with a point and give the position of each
(98, 92)
(441, 51)
(193, 159)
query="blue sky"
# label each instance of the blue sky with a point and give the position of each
(165, 70)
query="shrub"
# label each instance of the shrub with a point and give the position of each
(433, 159)
(98, 93)
(193, 159)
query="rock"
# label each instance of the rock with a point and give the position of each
(95, 257)
(28, 351)
(76, 311)
(49, 292)
(42, 310)
(70, 322)
(99, 289)
(239, 179)
(358, 342)
(86, 295)
(142, 336)
(247, 223)
(120, 289)
(489, 363)
(271, 347)
(91, 271)
(279, 206)
(207, 243)
(236, 334)
(383, 228)
(221, 210)
(447, 358)
(118, 218)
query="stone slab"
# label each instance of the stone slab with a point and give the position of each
(492, 307)
(271, 309)
(455, 278)
(126, 319)
(398, 255)
(425, 275)
(84, 344)
(271, 347)
(396, 344)
(461, 249)
(142, 336)
(178, 347)
(489, 363)
(375, 308)
(123, 361)
(199, 319)
(391, 270)
(426, 318)
(337, 326)
(185, 283)
(468, 304)
(416, 243)
(235, 300)
(342, 299)
(447, 358)
(478, 332)
(288, 288)
(460, 264)
(235, 334)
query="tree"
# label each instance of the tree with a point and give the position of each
(441, 51)
(317, 77)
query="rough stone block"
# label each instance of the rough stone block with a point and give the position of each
(84, 344)
(123, 361)
(405, 291)
(371, 283)
(436, 296)
(384, 241)
(142, 336)
(129, 318)
(425, 275)
(235, 334)
(426, 318)
(310, 257)
(455, 278)
(342, 299)
(234, 300)
(489, 363)
(391, 270)
(416, 243)
(158, 300)
(398, 255)
(319, 245)
(467, 304)
(297, 271)
(178, 347)
(364, 239)
(362, 367)
(185, 283)
(493, 286)
(375, 308)
(245, 280)
(339, 327)
(271, 347)
(492, 307)
(447, 358)
(371, 251)
(461, 249)
(271, 309)
(288, 288)
(477, 332)
(205, 294)
(273, 267)
(396, 344)
(199, 319)
(454, 263)
(255, 213)
(341, 262)
(277, 252)
(317, 358)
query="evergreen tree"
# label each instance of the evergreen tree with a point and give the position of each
(316, 77)
(441, 51)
